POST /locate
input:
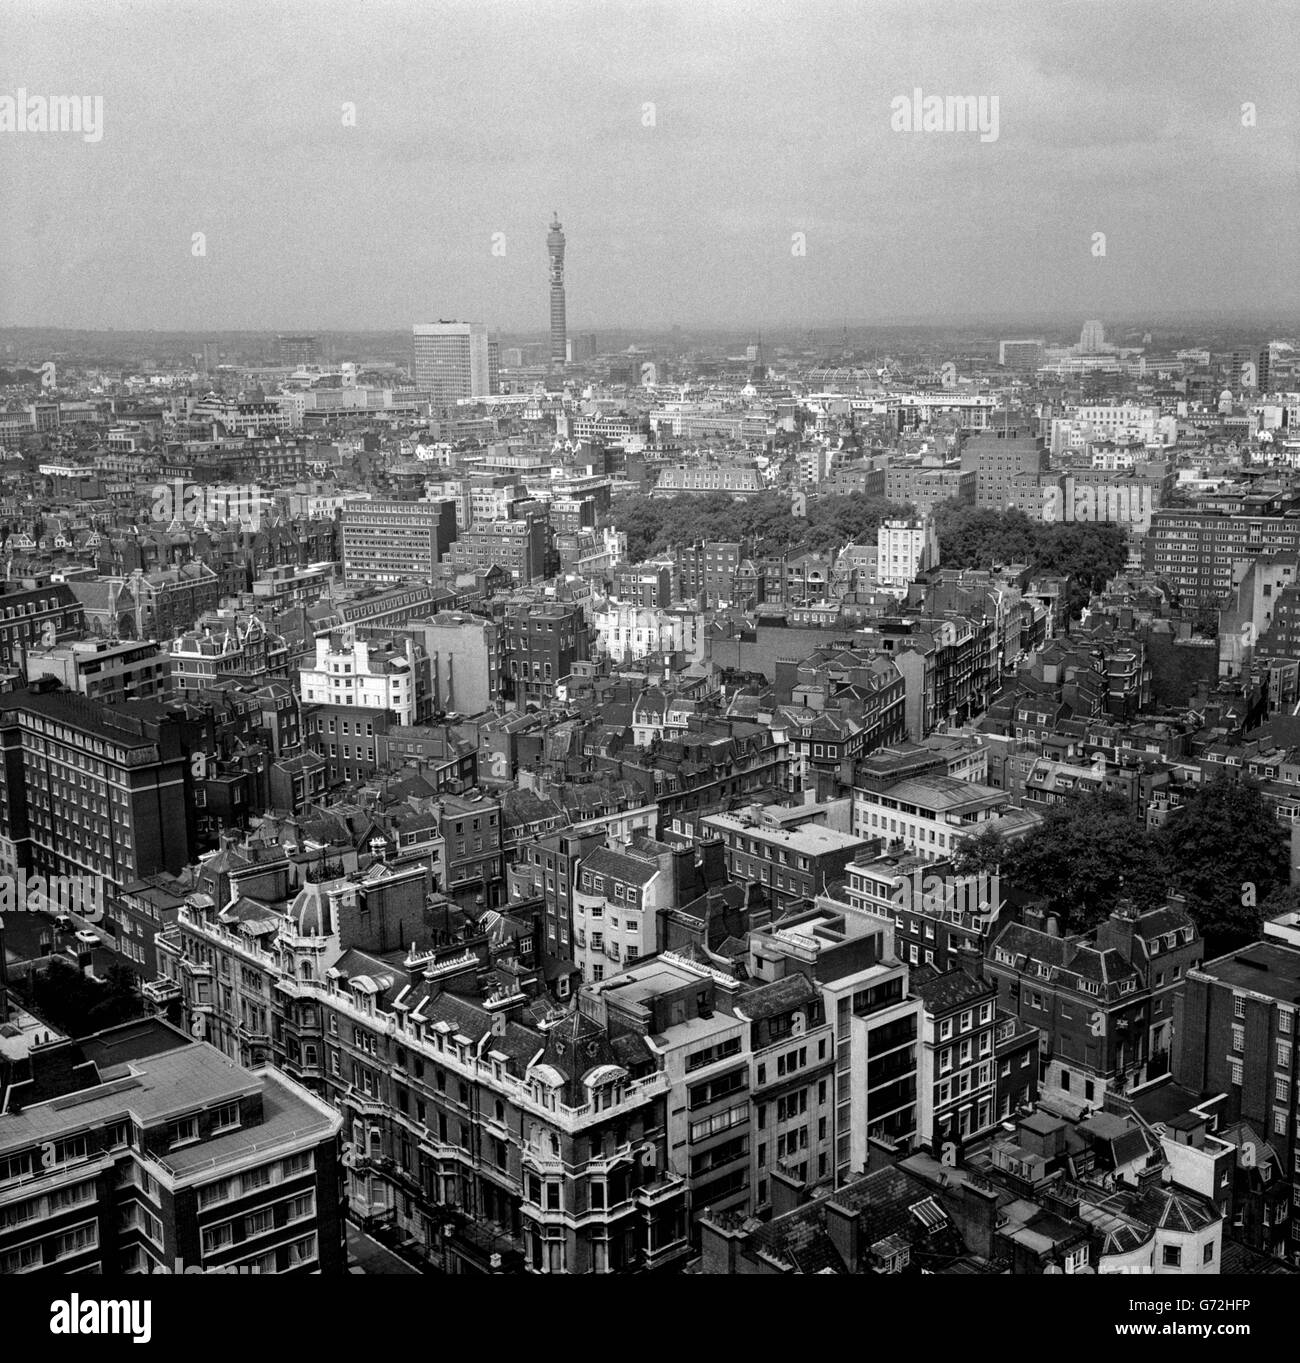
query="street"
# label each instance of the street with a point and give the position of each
(367, 1255)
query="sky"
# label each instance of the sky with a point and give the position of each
(685, 145)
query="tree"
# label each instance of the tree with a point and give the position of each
(1089, 553)
(1086, 855)
(1225, 851)
(980, 854)
(1281, 899)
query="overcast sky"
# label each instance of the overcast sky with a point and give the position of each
(771, 117)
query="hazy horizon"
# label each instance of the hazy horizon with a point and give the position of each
(769, 119)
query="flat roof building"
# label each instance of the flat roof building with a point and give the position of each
(141, 1150)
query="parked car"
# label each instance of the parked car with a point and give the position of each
(88, 938)
(63, 922)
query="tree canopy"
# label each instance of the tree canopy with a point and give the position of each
(1086, 855)
(1223, 850)
(1089, 553)
(1226, 852)
(652, 524)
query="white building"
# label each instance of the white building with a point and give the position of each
(628, 632)
(931, 815)
(350, 671)
(615, 903)
(904, 548)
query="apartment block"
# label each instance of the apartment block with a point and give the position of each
(520, 547)
(103, 669)
(140, 1150)
(390, 541)
(84, 791)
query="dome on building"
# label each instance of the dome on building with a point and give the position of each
(311, 913)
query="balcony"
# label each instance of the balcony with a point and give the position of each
(667, 1252)
(605, 1163)
(664, 1188)
(366, 1105)
(442, 1151)
(160, 991)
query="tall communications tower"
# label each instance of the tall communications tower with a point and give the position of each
(555, 248)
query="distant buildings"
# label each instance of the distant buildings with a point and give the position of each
(297, 350)
(1022, 355)
(734, 481)
(390, 541)
(997, 456)
(451, 361)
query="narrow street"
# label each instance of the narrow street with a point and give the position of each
(366, 1255)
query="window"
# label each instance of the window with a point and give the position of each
(1173, 1257)
(226, 1118)
(184, 1132)
(1208, 1256)
(259, 1223)
(300, 1208)
(217, 1238)
(1239, 1005)
(1238, 1038)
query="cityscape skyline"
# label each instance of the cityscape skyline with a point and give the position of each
(760, 740)
(689, 193)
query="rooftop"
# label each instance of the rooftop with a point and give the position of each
(811, 839)
(1262, 968)
(944, 793)
(136, 1080)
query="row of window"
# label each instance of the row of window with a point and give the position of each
(42, 1253)
(264, 1176)
(50, 1205)
(261, 1222)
